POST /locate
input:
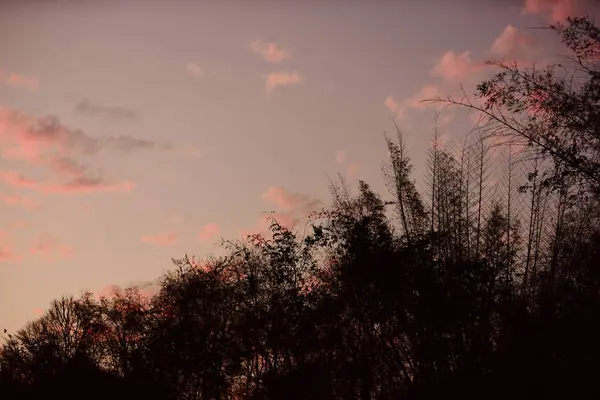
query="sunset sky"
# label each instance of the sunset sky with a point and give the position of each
(136, 131)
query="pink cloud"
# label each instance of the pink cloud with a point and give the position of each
(45, 142)
(165, 239)
(455, 67)
(289, 201)
(557, 10)
(282, 79)
(286, 219)
(28, 137)
(414, 101)
(209, 231)
(269, 51)
(341, 156)
(194, 70)
(514, 45)
(19, 80)
(108, 291)
(19, 200)
(395, 107)
(75, 185)
(353, 170)
(291, 208)
(48, 248)
(7, 250)
(142, 291)
(65, 167)
(83, 185)
(16, 179)
(426, 92)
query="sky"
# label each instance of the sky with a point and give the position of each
(132, 132)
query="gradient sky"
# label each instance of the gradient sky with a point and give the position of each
(136, 131)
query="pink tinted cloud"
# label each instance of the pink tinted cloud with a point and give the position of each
(144, 290)
(108, 291)
(16, 179)
(341, 156)
(291, 208)
(45, 142)
(194, 70)
(426, 92)
(19, 200)
(75, 185)
(28, 138)
(48, 248)
(455, 67)
(395, 107)
(556, 10)
(20, 80)
(164, 239)
(209, 231)
(7, 250)
(282, 79)
(85, 185)
(399, 108)
(514, 45)
(286, 219)
(288, 201)
(352, 168)
(270, 52)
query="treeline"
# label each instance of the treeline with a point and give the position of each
(485, 285)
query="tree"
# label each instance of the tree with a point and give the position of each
(552, 110)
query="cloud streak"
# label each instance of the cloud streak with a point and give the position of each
(270, 52)
(399, 108)
(45, 142)
(162, 240)
(514, 45)
(74, 185)
(209, 231)
(7, 250)
(341, 156)
(276, 80)
(88, 108)
(49, 249)
(556, 10)
(193, 69)
(22, 81)
(19, 200)
(455, 67)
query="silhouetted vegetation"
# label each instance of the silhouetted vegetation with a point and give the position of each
(486, 285)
